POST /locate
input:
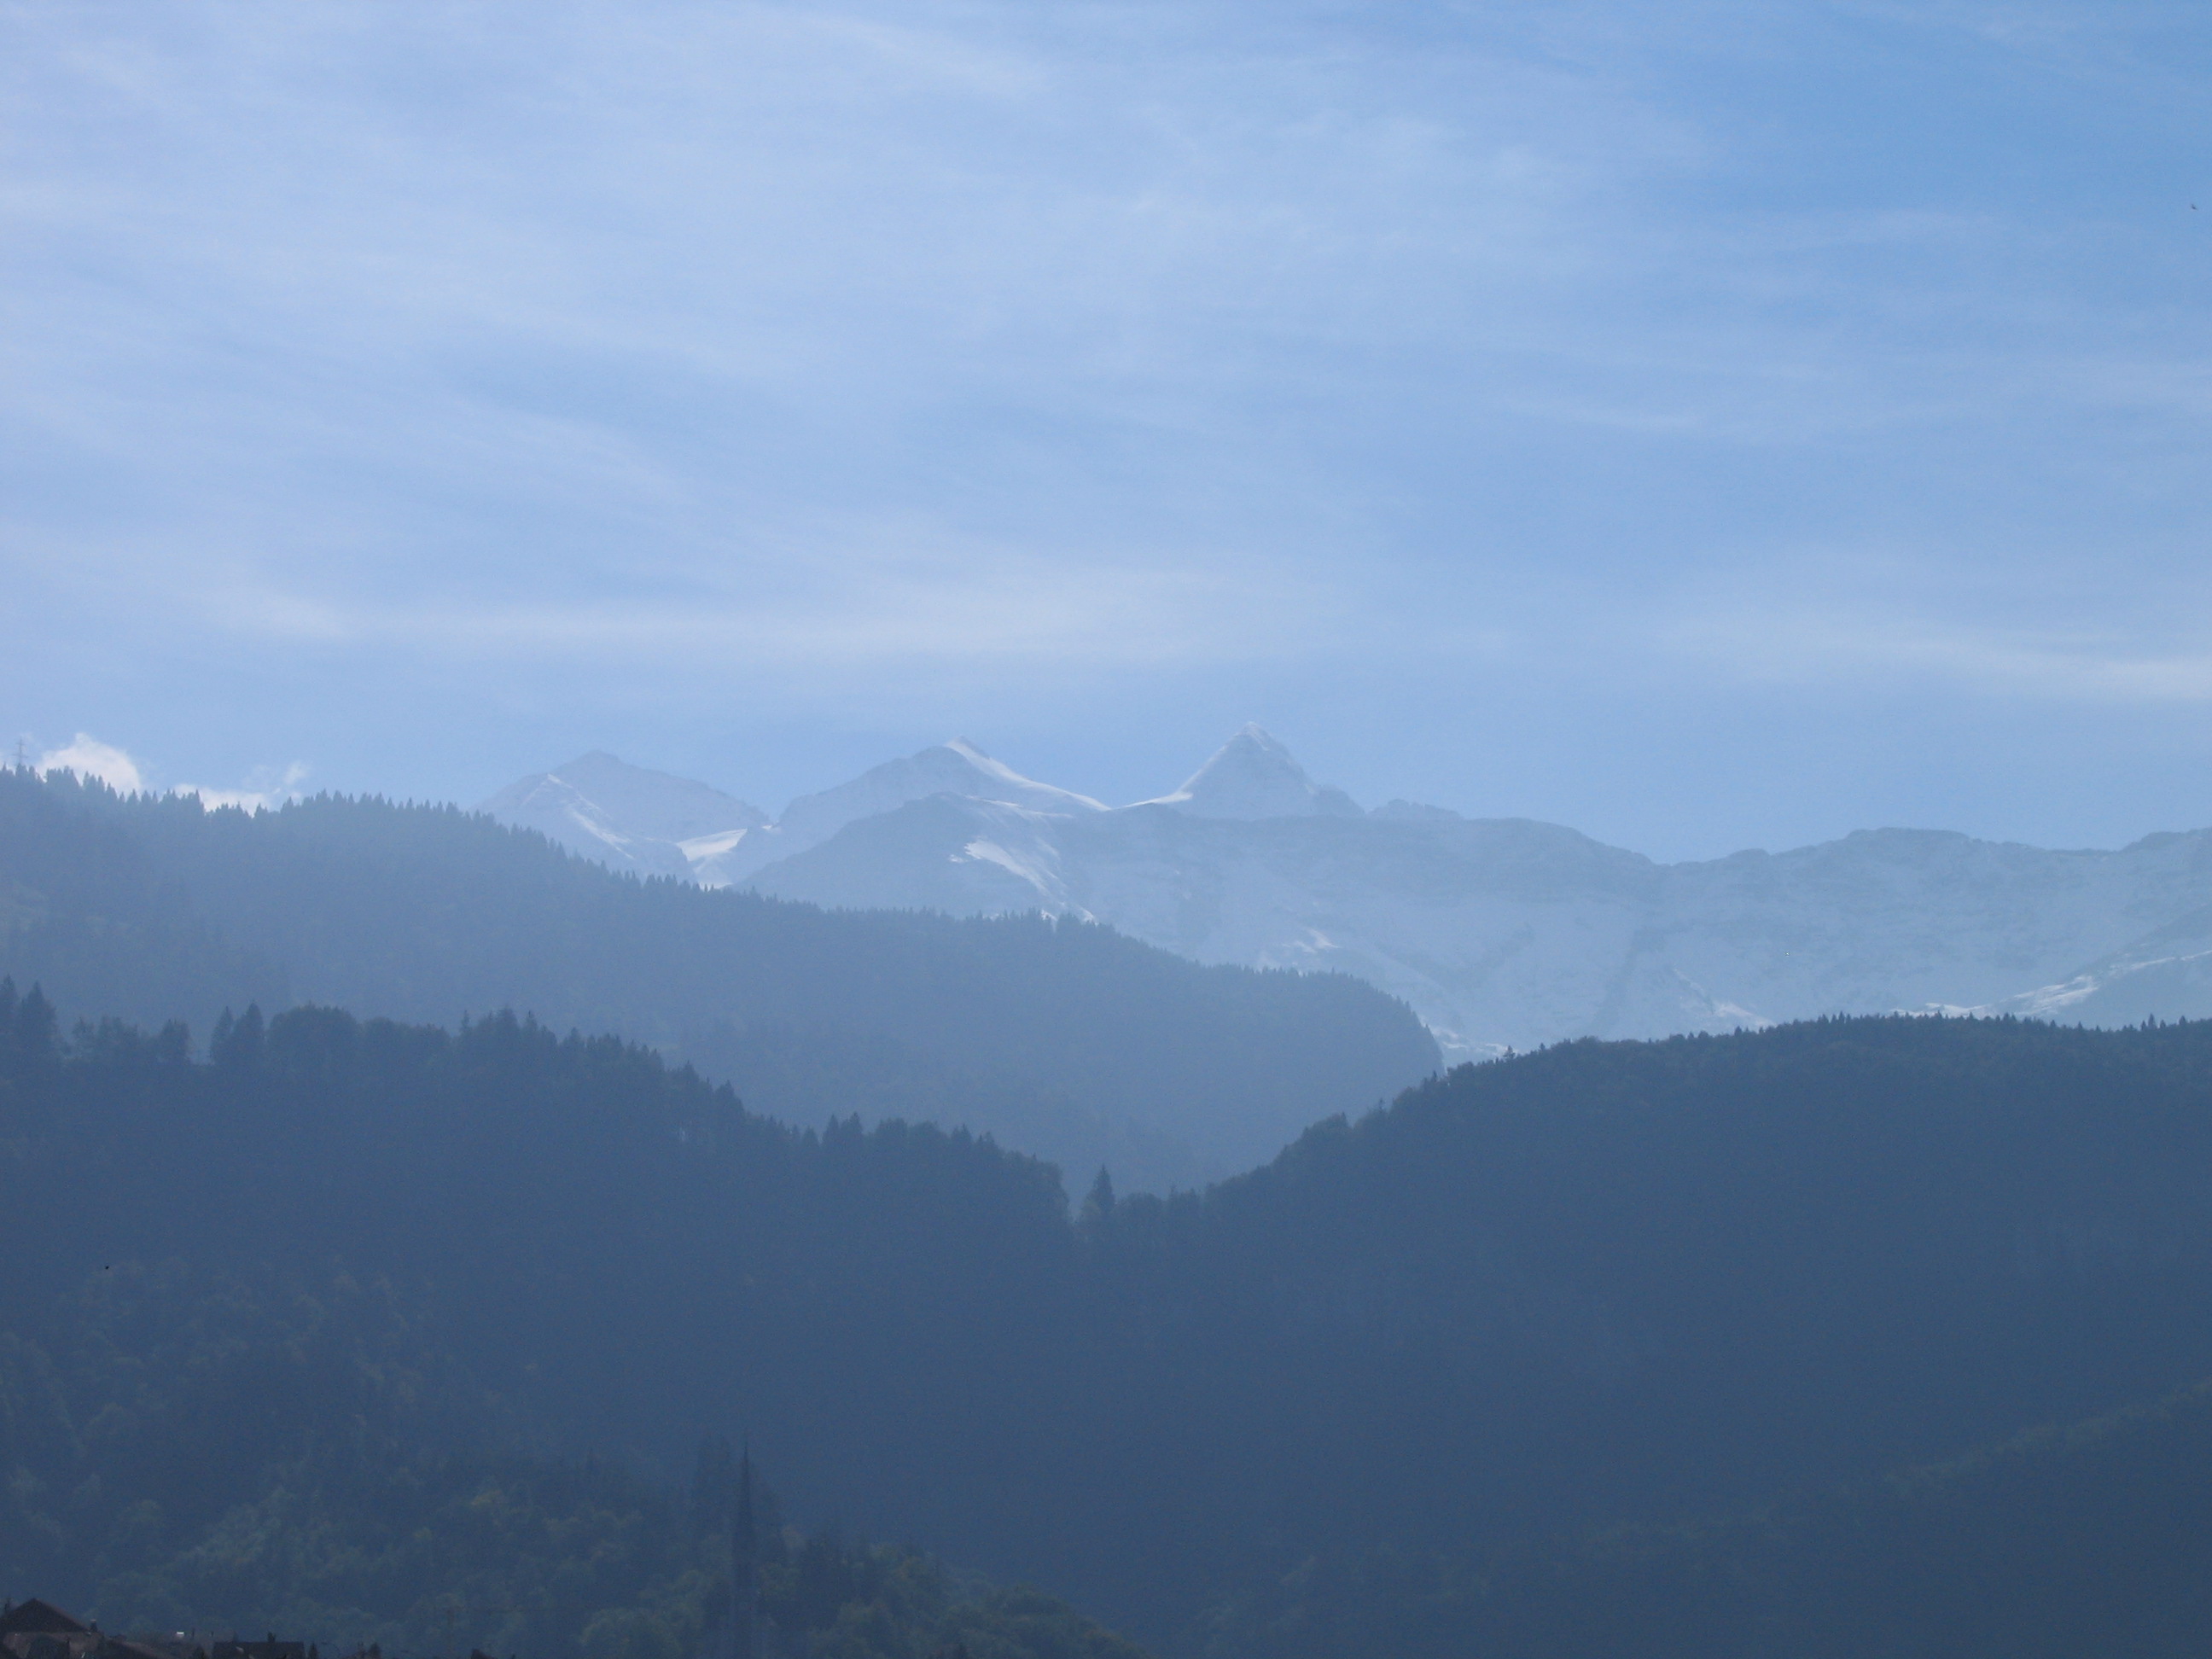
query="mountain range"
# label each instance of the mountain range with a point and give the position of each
(1503, 933)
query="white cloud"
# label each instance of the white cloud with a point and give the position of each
(88, 758)
(265, 789)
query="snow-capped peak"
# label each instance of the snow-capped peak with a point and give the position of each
(658, 805)
(1253, 776)
(625, 816)
(958, 768)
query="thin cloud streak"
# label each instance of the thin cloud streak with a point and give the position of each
(1806, 648)
(1015, 612)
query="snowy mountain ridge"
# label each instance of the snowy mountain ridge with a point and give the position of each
(647, 822)
(1500, 932)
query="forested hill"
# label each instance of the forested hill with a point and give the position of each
(1064, 1039)
(1601, 1284)
(1614, 1282)
(288, 1335)
(2085, 1538)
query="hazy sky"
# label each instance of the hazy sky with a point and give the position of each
(1708, 425)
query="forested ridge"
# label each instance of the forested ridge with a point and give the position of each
(1065, 1038)
(1639, 1285)
(2083, 1538)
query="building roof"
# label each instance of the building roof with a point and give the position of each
(40, 1618)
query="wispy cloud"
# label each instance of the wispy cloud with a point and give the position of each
(1897, 617)
(2037, 665)
(890, 597)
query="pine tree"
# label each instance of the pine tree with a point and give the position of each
(1099, 1205)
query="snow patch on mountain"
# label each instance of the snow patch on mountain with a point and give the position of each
(652, 823)
(957, 768)
(627, 817)
(2167, 974)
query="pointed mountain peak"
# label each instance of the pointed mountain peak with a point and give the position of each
(1253, 776)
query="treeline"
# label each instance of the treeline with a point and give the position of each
(1066, 1039)
(1604, 1286)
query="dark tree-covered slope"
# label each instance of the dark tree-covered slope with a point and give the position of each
(1602, 1285)
(1066, 1039)
(617, 1251)
(284, 1450)
(1629, 1281)
(2089, 1538)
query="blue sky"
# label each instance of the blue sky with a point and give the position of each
(1709, 425)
